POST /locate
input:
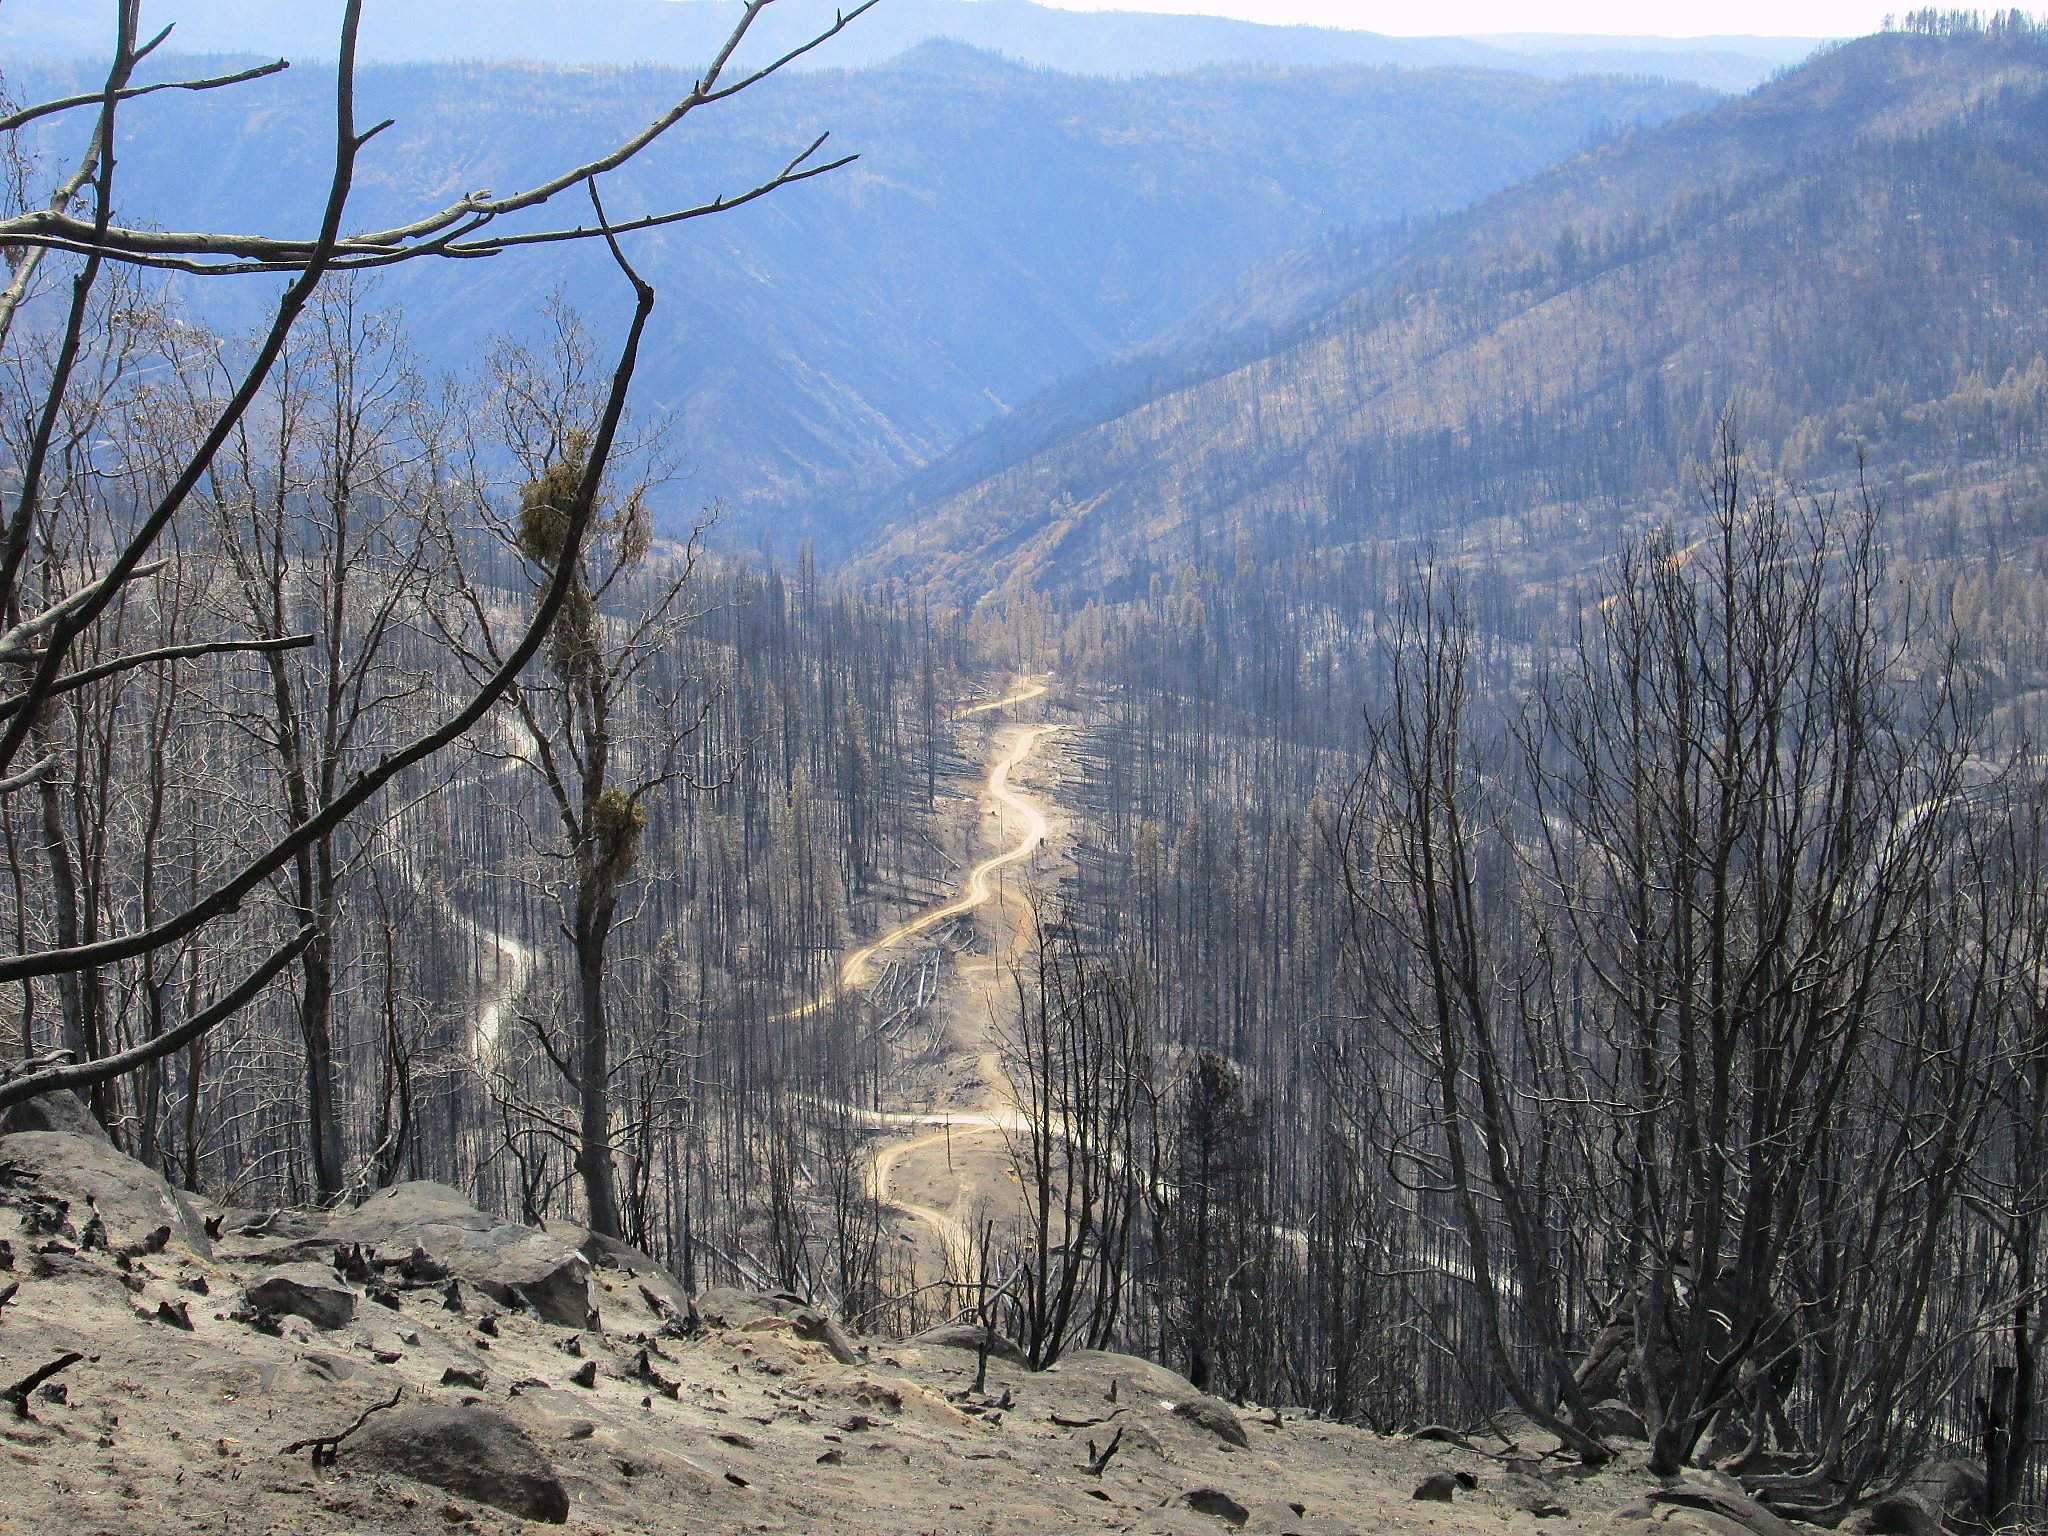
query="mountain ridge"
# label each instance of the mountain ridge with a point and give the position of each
(1567, 343)
(683, 32)
(1004, 227)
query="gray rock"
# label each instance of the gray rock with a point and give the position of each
(1616, 1420)
(327, 1366)
(1954, 1490)
(1738, 1508)
(722, 1307)
(1128, 1375)
(304, 1290)
(1214, 1415)
(1901, 1513)
(274, 1223)
(632, 1268)
(1216, 1503)
(136, 1207)
(968, 1337)
(65, 1112)
(509, 1263)
(470, 1452)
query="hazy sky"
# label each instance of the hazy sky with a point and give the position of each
(1673, 18)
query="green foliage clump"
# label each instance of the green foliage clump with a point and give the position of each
(546, 502)
(616, 821)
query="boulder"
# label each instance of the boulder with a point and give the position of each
(637, 1272)
(1737, 1508)
(138, 1211)
(1902, 1512)
(1128, 1379)
(1616, 1420)
(1217, 1504)
(723, 1307)
(1944, 1498)
(470, 1452)
(304, 1290)
(511, 1264)
(1954, 1490)
(1516, 1429)
(65, 1112)
(1214, 1415)
(969, 1336)
(277, 1222)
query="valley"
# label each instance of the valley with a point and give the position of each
(775, 767)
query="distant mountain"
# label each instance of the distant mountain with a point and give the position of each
(1004, 229)
(1851, 256)
(683, 33)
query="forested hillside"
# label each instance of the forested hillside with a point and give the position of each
(1004, 228)
(1455, 839)
(1847, 256)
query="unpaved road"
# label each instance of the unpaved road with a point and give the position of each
(981, 882)
(975, 1135)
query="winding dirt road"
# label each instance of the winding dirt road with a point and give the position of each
(957, 1129)
(981, 881)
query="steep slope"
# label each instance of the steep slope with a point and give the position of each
(683, 32)
(1850, 255)
(1004, 228)
(194, 1373)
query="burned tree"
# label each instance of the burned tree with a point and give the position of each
(66, 244)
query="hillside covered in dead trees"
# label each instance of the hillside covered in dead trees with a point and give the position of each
(1398, 877)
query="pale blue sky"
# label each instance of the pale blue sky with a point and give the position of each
(1673, 18)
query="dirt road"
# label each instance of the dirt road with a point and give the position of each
(981, 880)
(913, 1174)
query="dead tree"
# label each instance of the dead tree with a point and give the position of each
(70, 228)
(1082, 1055)
(320, 501)
(604, 724)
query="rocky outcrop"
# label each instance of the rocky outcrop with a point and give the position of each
(1729, 1504)
(969, 1337)
(1939, 1500)
(79, 1188)
(724, 1308)
(513, 1265)
(64, 1112)
(624, 1271)
(470, 1452)
(1612, 1419)
(303, 1290)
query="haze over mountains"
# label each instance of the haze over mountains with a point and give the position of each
(684, 33)
(1347, 794)
(1005, 228)
(1850, 257)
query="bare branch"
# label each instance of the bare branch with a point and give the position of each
(230, 893)
(164, 653)
(85, 1073)
(43, 109)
